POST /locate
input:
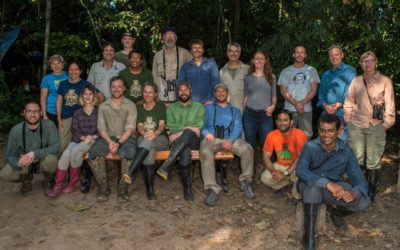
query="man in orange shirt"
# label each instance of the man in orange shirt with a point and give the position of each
(287, 142)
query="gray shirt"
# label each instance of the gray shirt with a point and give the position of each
(298, 82)
(259, 92)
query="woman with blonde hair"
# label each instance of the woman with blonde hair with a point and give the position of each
(369, 111)
(84, 134)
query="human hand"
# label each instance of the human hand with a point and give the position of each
(278, 176)
(227, 144)
(336, 190)
(149, 135)
(348, 196)
(88, 139)
(26, 159)
(269, 110)
(113, 147)
(209, 137)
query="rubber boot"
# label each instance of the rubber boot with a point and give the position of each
(148, 175)
(373, 177)
(141, 154)
(122, 195)
(73, 180)
(167, 165)
(85, 177)
(186, 179)
(310, 218)
(98, 167)
(59, 180)
(26, 183)
(47, 182)
(222, 169)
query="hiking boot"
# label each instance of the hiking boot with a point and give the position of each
(245, 186)
(211, 198)
(26, 182)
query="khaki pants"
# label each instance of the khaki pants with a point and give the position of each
(266, 178)
(239, 148)
(47, 165)
(65, 134)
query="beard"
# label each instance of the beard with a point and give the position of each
(32, 123)
(184, 98)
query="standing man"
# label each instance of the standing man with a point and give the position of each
(135, 77)
(127, 40)
(232, 74)
(298, 85)
(320, 168)
(286, 142)
(334, 85)
(222, 130)
(32, 147)
(202, 74)
(116, 125)
(101, 72)
(167, 63)
(185, 118)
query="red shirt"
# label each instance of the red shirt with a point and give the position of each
(287, 148)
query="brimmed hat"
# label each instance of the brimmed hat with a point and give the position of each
(221, 85)
(169, 29)
(128, 34)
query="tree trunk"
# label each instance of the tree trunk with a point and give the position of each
(46, 36)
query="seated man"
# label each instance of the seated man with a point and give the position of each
(116, 124)
(320, 168)
(185, 119)
(32, 146)
(222, 130)
(287, 143)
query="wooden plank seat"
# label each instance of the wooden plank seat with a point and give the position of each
(163, 155)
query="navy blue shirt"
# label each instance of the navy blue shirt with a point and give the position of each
(317, 167)
(202, 79)
(228, 116)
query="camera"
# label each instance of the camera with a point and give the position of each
(171, 86)
(377, 112)
(219, 131)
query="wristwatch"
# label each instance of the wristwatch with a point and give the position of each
(286, 172)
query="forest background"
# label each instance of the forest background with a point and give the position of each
(77, 29)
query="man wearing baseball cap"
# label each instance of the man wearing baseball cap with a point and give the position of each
(222, 130)
(127, 40)
(167, 63)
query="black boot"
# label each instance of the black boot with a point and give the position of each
(310, 219)
(26, 181)
(337, 215)
(167, 165)
(373, 177)
(141, 154)
(148, 174)
(186, 179)
(221, 167)
(86, 177)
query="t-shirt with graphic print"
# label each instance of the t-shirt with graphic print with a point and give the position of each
(70, 93)
(151, 118)
(287, 148)
(298, 82)
(134, 83)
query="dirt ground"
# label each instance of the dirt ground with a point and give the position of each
(76, 221)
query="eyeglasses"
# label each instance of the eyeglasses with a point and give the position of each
(368, 61)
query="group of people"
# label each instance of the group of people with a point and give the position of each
(186, 103)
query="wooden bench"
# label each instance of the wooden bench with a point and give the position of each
(163, 155)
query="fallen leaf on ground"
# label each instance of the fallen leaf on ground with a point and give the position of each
(262, 225)
(80, 207)
(269, 211)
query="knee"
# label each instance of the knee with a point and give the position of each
(49, 163)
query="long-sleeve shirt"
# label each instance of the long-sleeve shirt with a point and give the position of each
(317, 167)
(229, 117)
(179, 116)
(334, 85)
(84, 124)
(42, 143)
(202, 79)
(358, 107)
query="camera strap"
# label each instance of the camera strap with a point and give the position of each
(366, 88)
(24, 136)
(230, 124)
(165, 63)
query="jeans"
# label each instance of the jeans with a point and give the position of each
(256, 121)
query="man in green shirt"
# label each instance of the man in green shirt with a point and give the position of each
(185, 118)
(32, 147)
(135, 77)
